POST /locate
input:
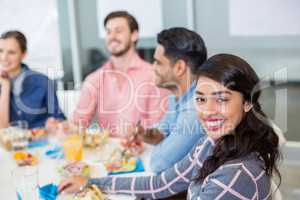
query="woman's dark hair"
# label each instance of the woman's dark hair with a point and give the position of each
(253, 134)
(132, 23)
(181, 43)
(18, 36)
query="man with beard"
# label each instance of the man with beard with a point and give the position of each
(179, 53)
(122, 92)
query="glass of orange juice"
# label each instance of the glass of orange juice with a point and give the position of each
(73, 147)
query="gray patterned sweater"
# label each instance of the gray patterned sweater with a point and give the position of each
(238, 179)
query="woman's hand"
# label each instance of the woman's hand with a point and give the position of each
(4, 78)
(72, 184)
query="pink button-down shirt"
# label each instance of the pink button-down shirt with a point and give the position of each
(121, 99)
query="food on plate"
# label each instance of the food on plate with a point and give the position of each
(14, 138)
(75, 169)
(24, 158)
(90, 193)
(93, 138)
(120, 161)
(134, 146)
(37, 134)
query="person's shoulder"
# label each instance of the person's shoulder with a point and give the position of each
(32, 80)
(250, 166)
(230, 178)
(147, 67)
(241, 175)
(35, 77)
(28, 72)
(253, 164)
(146, 64)
(95, 76)
(141, 64)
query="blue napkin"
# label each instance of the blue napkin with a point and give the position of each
(48, 192)
(139, 168)
(55, 152)
(38, 143)
(19, 196)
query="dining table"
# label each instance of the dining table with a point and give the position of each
(48, 168)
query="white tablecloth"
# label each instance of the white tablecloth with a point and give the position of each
(48, 172)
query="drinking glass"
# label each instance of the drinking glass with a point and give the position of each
(20, 134)
(25, 181)
(73, 148)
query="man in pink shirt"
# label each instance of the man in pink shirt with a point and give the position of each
(122, 92)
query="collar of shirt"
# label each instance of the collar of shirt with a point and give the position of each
(135, 63)
(183, 99)
(17, 82)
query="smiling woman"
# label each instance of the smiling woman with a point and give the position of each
(25, 94)
(227, 98)
(236, 160)
(220, 109)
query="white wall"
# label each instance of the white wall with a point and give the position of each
(38, 20)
